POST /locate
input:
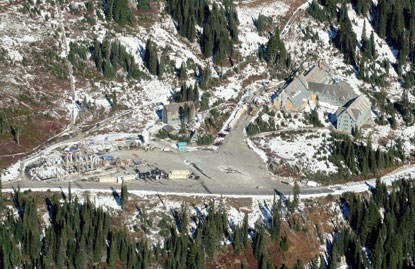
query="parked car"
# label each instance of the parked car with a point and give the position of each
(193, 176)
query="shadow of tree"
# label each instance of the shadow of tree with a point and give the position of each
(116, 196)
(63, 194)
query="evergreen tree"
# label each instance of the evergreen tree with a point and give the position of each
(184, 221)
(133, 70)
(184, 12)
(299, 264)
(293, 205)
(361, 6)
(97, 55)
(232, 20)
(245, 232)
(276, 220)
(395, 22)
(196, 95)
(70, 192)
(112, 253)
(108, 9)
(151, 57)
(237, 241)
(215, 40)
(124, 194)
(161, 66)
(205, 77)
(345, 39)
(114, 100)
(315, 11)
(144, 5)
(276, 54)
(80, 258)
(110, 56)
(61, 251)
(1, 192)
(117, 10)
(122, 13)
(260, 251)
(372, 45)
(261, 55)
(366, 44)
(182, 72)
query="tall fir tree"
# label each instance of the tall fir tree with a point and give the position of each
(182, 71)
(276, 53)
(124, 194)
(151, 57)
(215, 40)
(345, 39)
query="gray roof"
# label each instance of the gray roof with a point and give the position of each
(318, 75)
(172, 110)
(298, 84)
(297, 91)
(355, 107)
(318, 79)
(168, 128)
(340, 90)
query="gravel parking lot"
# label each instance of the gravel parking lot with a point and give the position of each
(232, 169)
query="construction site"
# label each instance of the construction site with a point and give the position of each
(89, 160)
(108, 160)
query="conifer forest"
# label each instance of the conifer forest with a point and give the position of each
(207, 134)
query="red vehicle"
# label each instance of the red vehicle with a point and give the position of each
(218, 143)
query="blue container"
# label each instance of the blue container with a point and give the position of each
(182, 145)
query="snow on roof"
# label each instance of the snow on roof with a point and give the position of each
(297, 85)
(355, 107)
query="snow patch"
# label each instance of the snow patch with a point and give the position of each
(11, 173)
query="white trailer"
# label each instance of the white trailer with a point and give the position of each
(179, 174)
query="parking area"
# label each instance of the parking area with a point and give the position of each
(233, 166)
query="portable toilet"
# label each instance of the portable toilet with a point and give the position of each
(182, 145)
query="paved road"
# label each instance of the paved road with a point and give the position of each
(288, 130)
(232, 169)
